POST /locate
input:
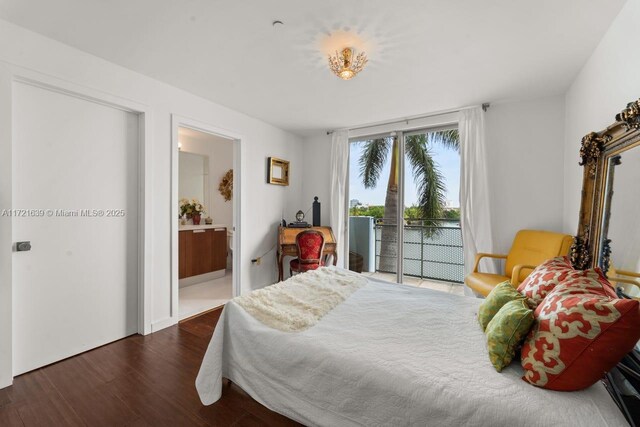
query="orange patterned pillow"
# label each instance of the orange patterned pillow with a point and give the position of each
(580, 334)
(555, 271)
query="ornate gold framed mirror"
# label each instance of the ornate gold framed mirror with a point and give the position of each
(609, 229)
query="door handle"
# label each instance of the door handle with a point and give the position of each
(23, 246)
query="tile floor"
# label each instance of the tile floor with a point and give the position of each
(204, 296)
(452, 288)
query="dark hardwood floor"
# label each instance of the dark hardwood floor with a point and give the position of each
(137, 381)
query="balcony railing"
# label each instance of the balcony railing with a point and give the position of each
(432, 249)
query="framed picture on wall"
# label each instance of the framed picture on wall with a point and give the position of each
(277, 171)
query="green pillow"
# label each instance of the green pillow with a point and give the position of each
(499, 296)
(507, 330)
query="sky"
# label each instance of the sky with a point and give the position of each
(448, 162)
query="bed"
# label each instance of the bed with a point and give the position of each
(388, 355)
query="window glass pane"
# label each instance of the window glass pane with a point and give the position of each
(432, 247)
(373, 190)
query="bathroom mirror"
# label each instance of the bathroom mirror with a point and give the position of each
(608, 231)
(193, 177)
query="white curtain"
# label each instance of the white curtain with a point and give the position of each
(339, 182)
(475, 210)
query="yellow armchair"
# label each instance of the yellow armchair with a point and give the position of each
(530, 248)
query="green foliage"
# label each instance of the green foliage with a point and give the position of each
(374, 156)
(375, 211)
(429, 180)
(447, 138)
(451, 213)
(411, 213)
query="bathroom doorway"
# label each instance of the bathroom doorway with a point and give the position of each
(205, 220)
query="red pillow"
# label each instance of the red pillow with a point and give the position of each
(557, 270)
(580, 334)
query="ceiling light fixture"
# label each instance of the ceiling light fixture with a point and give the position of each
(344, 65)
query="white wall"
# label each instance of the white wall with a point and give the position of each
(608, 81)
(317, 182)
(525, 161)
(220, 154)
(262, 204)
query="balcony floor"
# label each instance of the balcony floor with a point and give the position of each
(436, 285)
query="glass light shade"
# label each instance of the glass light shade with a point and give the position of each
(345, 65)
(346, 74)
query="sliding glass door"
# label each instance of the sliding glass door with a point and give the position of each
(403, 210)
(432, 243)
(374, 183)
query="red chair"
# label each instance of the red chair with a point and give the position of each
(310, 246)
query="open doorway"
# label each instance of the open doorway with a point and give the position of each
(206, 221)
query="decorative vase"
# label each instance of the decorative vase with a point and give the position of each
(196, 219)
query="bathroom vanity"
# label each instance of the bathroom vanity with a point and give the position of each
(202, 251)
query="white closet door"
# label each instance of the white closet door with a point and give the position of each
(76, 288)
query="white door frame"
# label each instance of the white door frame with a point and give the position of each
(10, 74)
(185, 122)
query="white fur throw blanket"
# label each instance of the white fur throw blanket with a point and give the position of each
(301, 301)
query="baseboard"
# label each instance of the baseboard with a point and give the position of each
(194, 280)
(4, 384)
(162, 324)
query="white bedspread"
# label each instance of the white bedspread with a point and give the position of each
(389, 355)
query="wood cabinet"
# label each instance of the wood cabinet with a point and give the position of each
(201, 251)
(219, 250)
(182, 254)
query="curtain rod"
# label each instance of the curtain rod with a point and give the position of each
(485, 106)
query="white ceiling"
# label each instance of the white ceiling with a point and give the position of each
(425, 55)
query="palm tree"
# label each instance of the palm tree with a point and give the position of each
(431, 187)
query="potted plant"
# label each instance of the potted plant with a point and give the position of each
(192, 209)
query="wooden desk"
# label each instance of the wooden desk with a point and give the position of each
(287, 245)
